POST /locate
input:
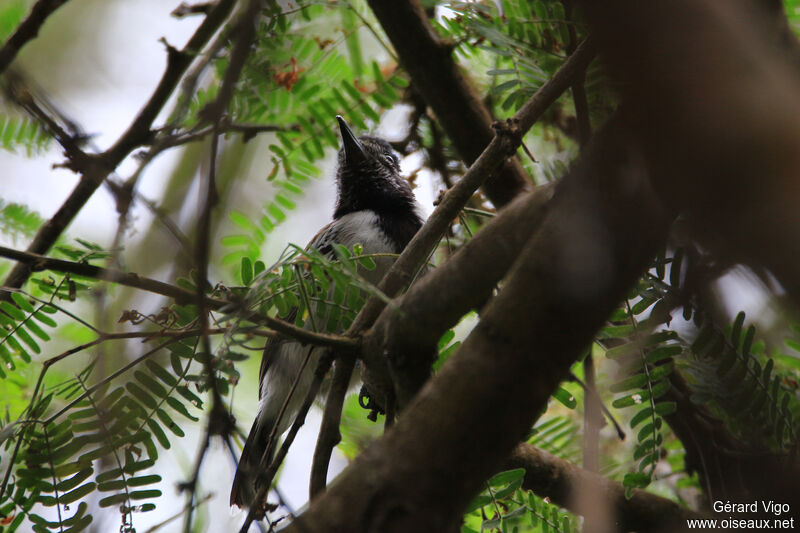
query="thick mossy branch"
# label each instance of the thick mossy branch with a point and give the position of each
(551, 301)
(562, 482)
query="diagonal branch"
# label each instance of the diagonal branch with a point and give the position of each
(566, 280)
(35, 263)
(507, 140)
(559, 480)
(438, 301)
(27, 30)
(416, 253)
(95, 168)
(445, 88)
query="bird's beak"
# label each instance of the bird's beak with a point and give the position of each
(353, 150)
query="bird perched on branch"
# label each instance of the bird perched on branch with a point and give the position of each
(376, 208)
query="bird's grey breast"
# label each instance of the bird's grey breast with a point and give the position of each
(359, 227)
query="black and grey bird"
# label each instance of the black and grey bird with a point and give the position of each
(376, 208)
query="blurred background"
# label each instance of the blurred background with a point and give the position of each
(95, 64)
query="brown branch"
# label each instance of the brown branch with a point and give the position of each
(329, 435)
(36, 263)
(95, 168)
(408, 381)
(438, 301)
(27, 30)
(568, 277)
(727, 467)
(730, 163)
(248, 131)
(440, 81)
(245, 34)
(265, 480)
(508, 139)
(578, 89)
(560, 481)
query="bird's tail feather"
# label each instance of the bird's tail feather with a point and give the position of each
(244, 488)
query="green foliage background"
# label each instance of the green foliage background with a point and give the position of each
(80, 429)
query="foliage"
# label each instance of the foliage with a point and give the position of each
(89, 436)
(18, 133)
(505, 507)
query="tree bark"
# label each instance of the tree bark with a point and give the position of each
(443, 86)
(466, 420)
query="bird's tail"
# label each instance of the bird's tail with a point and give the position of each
(243, 491)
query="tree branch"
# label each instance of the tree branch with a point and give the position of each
(446, 90)
(730, 163)
(438, 301)
(27, 30)
(36, 263)
(569, 276)
(504, 143)
(329, 435)
(95, 168)
(560, 481)
(423, 243)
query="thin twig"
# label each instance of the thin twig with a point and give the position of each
(220, 421)
(329, 435)
(94, 168)
(247, 130)
(508, 138)
(182, 296)
(589, 391)
(27, 30)
(266, 480)
(177, 515)
(578, 89)
(245, 34)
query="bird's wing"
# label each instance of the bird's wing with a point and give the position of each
(323, 242)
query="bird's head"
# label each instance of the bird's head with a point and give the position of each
(368, 176)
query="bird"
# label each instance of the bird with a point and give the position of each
(375, 208)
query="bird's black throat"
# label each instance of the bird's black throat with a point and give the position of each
(368, 179)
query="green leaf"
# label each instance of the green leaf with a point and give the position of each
(634, 382)
(504, 478)
(113, 500)
(636, 480)
(479, 501)
(644, 414)
(246, 271)
(75, 480)
(143, 480)
(159, 434)
(747, 343)
(663, 352)
(179, 407)
(22, 302)
(367, 262)
(145, 494)
(78, 493)
(154, 386)
(141, 395)
(167, 421)
(161, 373)
(12, 310)
(666, 408)
(736, 329)
(565, 397)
